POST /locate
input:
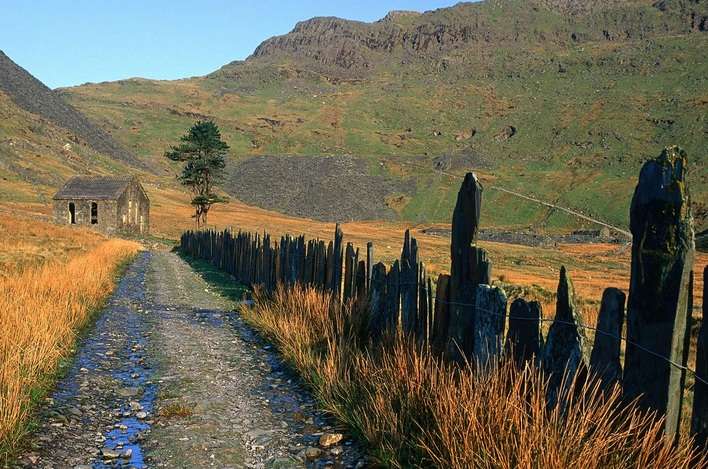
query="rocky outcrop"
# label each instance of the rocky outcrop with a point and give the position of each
(397, 15)
(583, 7)
(331, 42)
(336, 46)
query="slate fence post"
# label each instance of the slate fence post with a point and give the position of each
(461, 317)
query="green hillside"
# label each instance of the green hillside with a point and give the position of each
(37, 156)
(557, 99)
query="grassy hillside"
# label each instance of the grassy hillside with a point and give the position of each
(33, 96)
(547, 98)
(36, 155)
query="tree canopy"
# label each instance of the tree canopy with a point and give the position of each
(204, 156)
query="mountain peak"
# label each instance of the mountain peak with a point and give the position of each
(342, 48)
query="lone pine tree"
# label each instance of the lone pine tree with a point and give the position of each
(203, 153)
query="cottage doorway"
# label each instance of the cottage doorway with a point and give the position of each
(72, 213)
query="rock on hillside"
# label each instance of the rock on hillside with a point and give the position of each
(33, 96)
(324, 188)
(345, 48)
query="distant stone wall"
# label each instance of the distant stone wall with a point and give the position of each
(134, 210)
(129, 214)
(105, 218)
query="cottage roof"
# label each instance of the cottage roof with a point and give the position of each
(93, 187)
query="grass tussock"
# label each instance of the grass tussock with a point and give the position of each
(415, 410)
(41, 312)
(176, 410)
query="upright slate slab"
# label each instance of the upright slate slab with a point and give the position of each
(441, 317)
(299, 274)
(480, 267)
(699, 417)
(360, 281)
(393, 297)
(377, 301)
(369, 263)
(329, 273)
(605, 357)
(464, 269)
(537, 312)
(321, 265)
(349, 272)
(425, 314)
(409, 286)
(658, 307)
(565, 351)
(337, 255)
(523, 340)
(489, 319)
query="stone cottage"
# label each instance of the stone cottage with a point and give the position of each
(109, 204)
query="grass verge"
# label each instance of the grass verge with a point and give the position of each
(42, 312)
(416, 411)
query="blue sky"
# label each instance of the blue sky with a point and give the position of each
(70, 42)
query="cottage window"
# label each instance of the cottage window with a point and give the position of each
(94, 213)
(72, 213)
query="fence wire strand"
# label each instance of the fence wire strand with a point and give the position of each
(584, 326)
(569, 211)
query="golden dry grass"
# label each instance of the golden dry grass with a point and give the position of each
(44, 304)
(416, 411)
(28, 240)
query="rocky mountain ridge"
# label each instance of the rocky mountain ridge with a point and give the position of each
(340, 47)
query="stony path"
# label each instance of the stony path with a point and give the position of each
(170, 376)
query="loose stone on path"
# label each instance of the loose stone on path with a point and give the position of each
(171, 376)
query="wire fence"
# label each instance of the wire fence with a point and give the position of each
(529, 198)
(583, 326)
(596, 330)
(405, 293)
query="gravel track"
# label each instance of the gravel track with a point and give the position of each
(171, 376)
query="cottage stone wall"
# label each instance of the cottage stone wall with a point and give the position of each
(129, 214)
(134, 210)
(106, 221)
